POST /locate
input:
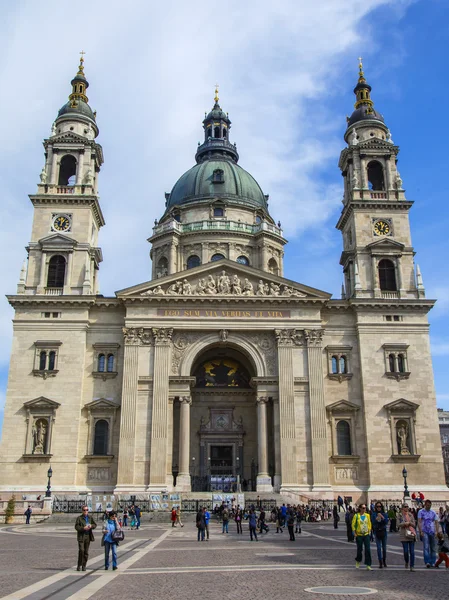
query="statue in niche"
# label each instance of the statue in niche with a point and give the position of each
(39, 433)
(402, 433)
(398, 181)
(354, 138)
(355, 181)
(248, 289)
(43, 175)
(224, 283)
(53, 129)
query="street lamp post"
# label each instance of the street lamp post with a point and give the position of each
(404, 475)
(49, 475)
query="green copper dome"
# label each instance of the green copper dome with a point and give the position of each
(217, 177)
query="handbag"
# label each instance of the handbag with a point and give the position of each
(118, 535)
(102, 541)
(410, 535)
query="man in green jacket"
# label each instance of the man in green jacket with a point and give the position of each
(84, 526)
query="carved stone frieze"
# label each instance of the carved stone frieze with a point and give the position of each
(136, 336)
(289, 337)
(346, 473)
(98, 474)
(265, 343)
(224, 284)
(181, 341)
(313, 337)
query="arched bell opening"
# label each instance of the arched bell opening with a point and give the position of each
(223, 444)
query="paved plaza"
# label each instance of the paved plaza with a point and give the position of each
(38, 563)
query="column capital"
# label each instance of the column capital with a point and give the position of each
(134, 336)
(162, 336)
(262, 400)
(288, 337)
(185, 400)
(313, 337)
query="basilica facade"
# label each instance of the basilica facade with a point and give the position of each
(220, 371)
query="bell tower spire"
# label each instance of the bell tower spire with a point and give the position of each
(63, 257)
(377, 256)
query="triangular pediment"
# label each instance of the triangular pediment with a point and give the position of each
(101, 404)
(41, 402)
(377, 144)
(224, 278)
(401, 405)
(342, 406)
(57, 240)
(386, 244)
(69, 136)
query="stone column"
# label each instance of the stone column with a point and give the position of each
(400, 284)
(54, 164)
(375, 277)
(171, 400)
(320, 459)
(172, 258)
(183, 481)
(80, 171)
(277, 447)
(42, 283)
(263, 479)
(158, 469)
(205, 253)
(286, 340)
(388, 181)
(128, 417)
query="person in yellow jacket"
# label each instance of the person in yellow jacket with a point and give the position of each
(361, 528)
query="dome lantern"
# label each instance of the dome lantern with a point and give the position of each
(364, 106)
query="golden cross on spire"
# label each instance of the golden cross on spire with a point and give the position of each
(361, 74)
(216, 98)
(81, 67)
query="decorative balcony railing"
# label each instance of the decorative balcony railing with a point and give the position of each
(390, 295)
(217, 225)
(52, 291)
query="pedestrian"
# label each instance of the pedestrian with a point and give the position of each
(262, 525)
(348, 520)
(110, 539)
(238, 520)
(225, 520)
(335, 515)
(206, 521)
(200, 524)
(291, 524)
(443, 549)
(125, 517)
(27, 514)
(132, 516)
(298, 520)
(138, 514)
(407, 536)
(361, 527)
(340, 504)
(173, 517)
(283, 515)
(392, 516)
(379, 521)
(178, 517)
(84, 526)
(252, 522)
(428, 528)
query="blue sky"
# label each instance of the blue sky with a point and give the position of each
(286, 75)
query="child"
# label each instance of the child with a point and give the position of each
(443, 549)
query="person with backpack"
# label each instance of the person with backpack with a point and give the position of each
(27, 514)
(379, 520)
(112, 535)
(262, 525)
(225, 520)
(298, 519)
(361, 528)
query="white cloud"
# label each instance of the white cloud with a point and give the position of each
(152, 67)
(439, 347)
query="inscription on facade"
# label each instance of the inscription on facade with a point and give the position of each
(224, 314)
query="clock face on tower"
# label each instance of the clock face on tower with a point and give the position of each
(382, 227)
(61, 223)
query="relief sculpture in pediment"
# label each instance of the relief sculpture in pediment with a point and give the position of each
(224, 284)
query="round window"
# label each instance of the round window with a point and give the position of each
(217, 257)
(243, 260)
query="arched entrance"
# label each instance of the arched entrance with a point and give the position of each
(223, 423)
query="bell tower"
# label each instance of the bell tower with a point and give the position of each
(63, 256)
(377, 255)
